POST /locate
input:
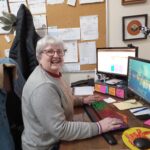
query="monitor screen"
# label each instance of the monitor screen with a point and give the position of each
(139, 77)
(114, 60)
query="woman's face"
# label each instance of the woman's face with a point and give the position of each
(52, 58)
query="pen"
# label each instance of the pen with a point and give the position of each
(140, 109)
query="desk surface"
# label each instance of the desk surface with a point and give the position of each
(98, 142)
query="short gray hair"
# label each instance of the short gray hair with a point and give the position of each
(44, 42)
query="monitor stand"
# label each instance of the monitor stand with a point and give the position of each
(113, 81)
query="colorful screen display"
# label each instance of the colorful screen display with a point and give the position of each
(114, 60)
(139, 77)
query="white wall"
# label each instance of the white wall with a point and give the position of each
(115, 12)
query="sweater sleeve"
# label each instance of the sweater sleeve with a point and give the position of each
(46, 104)
(78, 101)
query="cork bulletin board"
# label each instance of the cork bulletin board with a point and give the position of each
(66, 16)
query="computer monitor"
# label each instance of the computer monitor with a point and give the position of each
(139, 77)
(113, 61)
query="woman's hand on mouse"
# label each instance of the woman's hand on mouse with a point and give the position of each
(109, 124)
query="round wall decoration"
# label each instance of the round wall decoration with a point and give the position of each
(133, 27)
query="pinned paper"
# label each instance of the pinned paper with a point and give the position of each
(7, 38)
(128, 104)
(71, 2)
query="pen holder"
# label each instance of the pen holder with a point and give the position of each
(113, 90)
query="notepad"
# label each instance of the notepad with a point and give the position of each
(127, 104)
(84, 90)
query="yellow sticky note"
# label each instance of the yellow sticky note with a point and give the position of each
(128, 104)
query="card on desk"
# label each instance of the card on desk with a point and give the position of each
(127, 104)
(84, 90)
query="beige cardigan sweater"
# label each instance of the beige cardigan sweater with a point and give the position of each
(47, 109)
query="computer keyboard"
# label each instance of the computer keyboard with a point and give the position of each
(101, 109)
(108, 136)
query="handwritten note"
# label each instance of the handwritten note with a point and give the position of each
(89, 27)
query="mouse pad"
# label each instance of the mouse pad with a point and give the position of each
(103, 110)
(131, 134)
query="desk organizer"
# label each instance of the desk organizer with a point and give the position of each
(113, 90)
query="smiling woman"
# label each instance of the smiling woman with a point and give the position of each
(47, 103)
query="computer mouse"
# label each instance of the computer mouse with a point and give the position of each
(142, 143)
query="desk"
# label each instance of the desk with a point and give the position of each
(98, 142)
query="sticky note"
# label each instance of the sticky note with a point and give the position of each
(103, 88)
(112, 91)
(147, 122)
(120, 93)
(97, 87)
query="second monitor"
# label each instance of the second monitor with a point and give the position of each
(113, 61)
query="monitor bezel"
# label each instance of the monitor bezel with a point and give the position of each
(114, 75)
(131, 90)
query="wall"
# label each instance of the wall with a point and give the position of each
(115, 12)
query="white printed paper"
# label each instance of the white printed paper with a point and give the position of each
(14, 7)
(39, 21)
(84, 90)
(71, 55)
(89, 27)
(55, 2)
(16, 1)
(36, 1)
(3, 6)
(87, 51)
(90, 1)
(53, 31)
(38, 8)
(69, 33)
(71, 2)
(71, 67)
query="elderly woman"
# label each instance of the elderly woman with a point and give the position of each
(47, 103)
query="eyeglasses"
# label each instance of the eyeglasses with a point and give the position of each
(51, 52)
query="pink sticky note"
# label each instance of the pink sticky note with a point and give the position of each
(147, 122)
(102, 88)
(120, 93)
